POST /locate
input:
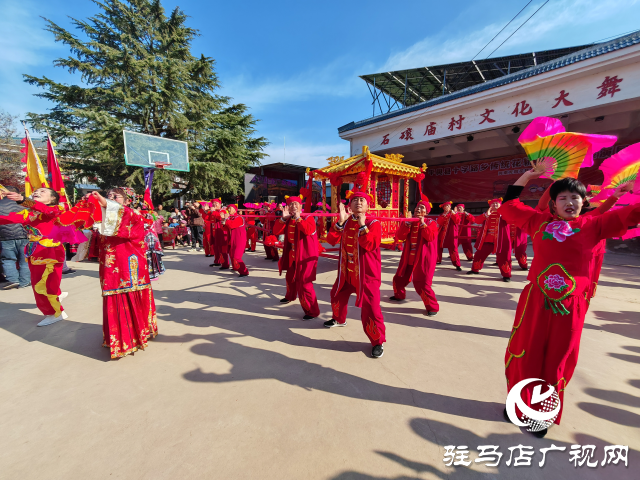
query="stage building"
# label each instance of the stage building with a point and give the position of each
(463, 120)
(275, 181)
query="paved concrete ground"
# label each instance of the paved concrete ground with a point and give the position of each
(238, 386)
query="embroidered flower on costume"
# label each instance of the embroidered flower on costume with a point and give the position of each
(559, 230)
(555, 282)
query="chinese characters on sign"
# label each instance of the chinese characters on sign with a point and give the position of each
(385, 139)
(609, 86)
(490, 455)
(522, 108)
(562, 99)
(505, 167)
(456, 123)
(406, 135)
(485, 116)
(431, 129)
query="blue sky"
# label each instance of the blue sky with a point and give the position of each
(296, 63)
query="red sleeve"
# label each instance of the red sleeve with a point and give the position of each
(606, 205)
(543, 203)
(616, 223)
(480, 219)
(278, 227)
(371, 240)
(440, 220)
(307, 226)
(131, 226)
(40, 207)
(522, 216)
(403, 231)
(430, 232)
(233, 223)
(456, 218)
(334, 236)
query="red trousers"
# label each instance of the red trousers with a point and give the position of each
(520, 251)
(251, 243)
(544, 344)
(596, 267)
(208, 240)
(128, 321)
(45, 266)
(467, 248)
(220, 254)
(238, 265)
(503, 259)
(425, 291)
(302, 290)
(452, 247)
(272, 252)
(370, 313)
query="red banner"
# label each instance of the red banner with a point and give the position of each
(482, 180)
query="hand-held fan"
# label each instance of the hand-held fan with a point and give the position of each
(619, 169)
(545, 138)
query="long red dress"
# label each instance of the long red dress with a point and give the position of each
(129, 311)
(545, 337)
(493, 238)
(237, 241)
(464, 234)
(359, 272)
(448, 237)
(300, 261)
(418, 262)
(45, 256)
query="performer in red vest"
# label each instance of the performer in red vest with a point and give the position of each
(545, 337)
(252, 233)
(45, 255)
(220, 235)
(464, 232)
(268, 222)
(418, 260)
(299, 256)
(237, 234)
(359, 266)
(493, 238)
(519, 245)
(448, 235)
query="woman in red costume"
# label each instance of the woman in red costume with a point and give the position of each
(493, 238)
(359, 266)
(237, 234)
(268, 221)
(519, 246)
(464, 232)
(448, 235)
(45, 255)
(219, 235)
(418, 260)
(545, 338)
(208, 235)
(252, 233)
(299, 257)
(129, 310)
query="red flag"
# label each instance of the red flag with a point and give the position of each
(55, 175)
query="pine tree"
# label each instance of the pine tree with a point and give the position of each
(137, 73)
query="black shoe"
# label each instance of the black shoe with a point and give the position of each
(377, 351)
(541, 433)
(207, 256)
(267, 258)
(524, 268)
(11, 286)
(243, 274)
(396, 299)
(284, 300)
(334, 323)
(459, 269)
(274, 259)
(224, 268)
(471, 272)
(71, 270)
(438, 263)
(431, 314)
(214, 264)
(506, 279)
(308, 317)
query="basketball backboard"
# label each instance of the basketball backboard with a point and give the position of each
(147, 151)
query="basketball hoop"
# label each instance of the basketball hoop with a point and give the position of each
(161, 165)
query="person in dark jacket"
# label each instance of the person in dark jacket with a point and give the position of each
(13, 239)
(196, 223)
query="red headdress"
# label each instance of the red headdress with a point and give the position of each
(450, 203)
(219, 200)
(460, 205)
(361, 184)
(499, 200)
(424, 200)
(297, 198)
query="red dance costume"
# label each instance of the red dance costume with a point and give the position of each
(44, 255)
(359, 272)
(448, 237)
(129, 310)
(493, 238)
(237, 234)
(300, 260)
(208, 235)
(519, 245)
(252, 234)
(545, 338)
(220, 237)
(268, 222)
(464, 234)
(418, 261)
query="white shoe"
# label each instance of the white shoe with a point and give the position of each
(49, 319)
(64, 315)
(62, 296)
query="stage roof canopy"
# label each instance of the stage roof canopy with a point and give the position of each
(416, 85)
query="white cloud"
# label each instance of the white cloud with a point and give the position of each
(562, 22)
(304, 154)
